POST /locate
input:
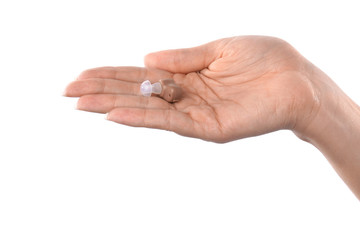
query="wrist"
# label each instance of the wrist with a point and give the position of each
(335, 131)
(335, 120)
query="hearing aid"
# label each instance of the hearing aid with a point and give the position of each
(167, 89)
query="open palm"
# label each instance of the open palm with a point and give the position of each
(233, 88)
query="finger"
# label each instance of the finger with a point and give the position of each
(185, 60)
(103, 103)
(130, 74)
(166, 119)
(98, 85)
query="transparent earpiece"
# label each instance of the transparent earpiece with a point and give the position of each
(147, 88)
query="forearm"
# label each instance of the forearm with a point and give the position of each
(335, 131)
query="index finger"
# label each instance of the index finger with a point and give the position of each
(129, 74)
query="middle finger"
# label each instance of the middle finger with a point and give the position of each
(101, 85)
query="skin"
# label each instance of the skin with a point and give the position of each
(233, 88)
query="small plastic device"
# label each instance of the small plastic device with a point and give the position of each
(166, 89)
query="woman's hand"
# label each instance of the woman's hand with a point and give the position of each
(233, 88)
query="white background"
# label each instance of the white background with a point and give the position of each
(67, 174)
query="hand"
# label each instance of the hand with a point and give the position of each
(233, 88)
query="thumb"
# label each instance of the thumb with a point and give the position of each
(184, 60)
